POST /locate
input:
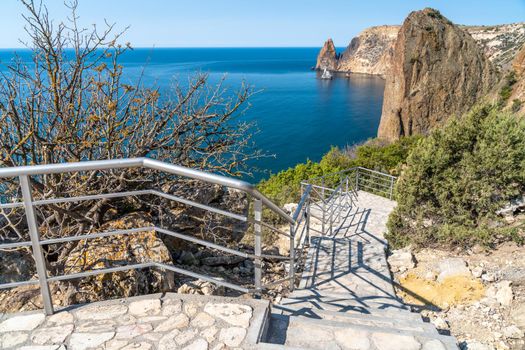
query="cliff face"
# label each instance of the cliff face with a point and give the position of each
(516, 101)
(369, 51)
(500, 43)
(437, 70)
(327, 57)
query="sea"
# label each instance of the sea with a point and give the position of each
(298, 115)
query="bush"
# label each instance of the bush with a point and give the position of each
(457, 178)
(284, 187)
(506, 89)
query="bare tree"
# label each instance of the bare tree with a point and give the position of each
(70, 103)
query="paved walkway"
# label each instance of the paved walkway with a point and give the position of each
(346, 298)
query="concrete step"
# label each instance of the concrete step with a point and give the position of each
(310, 333)
(294, 309)
(404, 319)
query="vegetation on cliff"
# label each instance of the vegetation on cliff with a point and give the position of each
(457, 178)
(284, 187)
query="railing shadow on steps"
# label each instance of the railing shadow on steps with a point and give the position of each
(297, 234)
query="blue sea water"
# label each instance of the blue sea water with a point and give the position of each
(299, 116)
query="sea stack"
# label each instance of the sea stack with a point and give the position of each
(437, 71)
(327, 58)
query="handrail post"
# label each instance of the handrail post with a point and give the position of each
(357, 180)
(324, 208)
(257, 206)
(391, 186)
(292, 258)
(38, 255)
(308, 219)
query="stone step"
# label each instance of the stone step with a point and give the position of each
(404, 319)
(301, 308)
(310, 333)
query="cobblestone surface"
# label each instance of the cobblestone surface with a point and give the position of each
(171, 321)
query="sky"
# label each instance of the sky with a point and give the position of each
(253, 23)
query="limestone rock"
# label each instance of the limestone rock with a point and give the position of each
(22, 323)
(504, 294)
(222, 260)
(438, 70)
(234, 314)
(513, 332)
(199, 344)
(518, 315)
(232, 336)
(11, 339)
(452, 267)
(433, 345)
(370, 51)
(51, 335)
(82, 341)
(327, 58)
(401, 260)
(144, 307)
(201, 287)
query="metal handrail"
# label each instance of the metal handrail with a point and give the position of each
(29, 204)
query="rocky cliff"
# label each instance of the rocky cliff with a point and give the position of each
(327, 57)
(437, 70)
(514, 82)
(369, 51)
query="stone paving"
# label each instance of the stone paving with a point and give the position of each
(346, 298)
(159, 322)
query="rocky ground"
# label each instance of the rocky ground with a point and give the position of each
(478, 296)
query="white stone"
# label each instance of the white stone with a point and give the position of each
(146, 307)
(352, 339)
(185, 336)
(401, 260)
(94, 326)
(504, 293)
(82, 341)
(199, 344)
(209, 333)
(42, 347)
(178, 321)
(11, 339)
(232, 336)
(387, 341)
(202, 320)
(167, 342)
(115, 344)
(220, 346)
(60, 318)
(101, 312)
(477, 272)
(138, 346)
(474, 345)
(22, 323)
(434, 345)
(488, 277)
(171, 307)
(51, 335)
(190, 309)
(440, 323)
(450, 267)
(234, 314)
(513, 332)
(132, 330)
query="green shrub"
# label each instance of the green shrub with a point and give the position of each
(457, 178)
(506, 89)
(284, 187)
(516, 105)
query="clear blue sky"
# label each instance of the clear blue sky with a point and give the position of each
(218, 23)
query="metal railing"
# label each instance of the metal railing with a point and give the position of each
(299, 221)
(355, 179)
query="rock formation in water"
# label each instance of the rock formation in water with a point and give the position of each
(327, 58)
(437, 70)
(369, 51)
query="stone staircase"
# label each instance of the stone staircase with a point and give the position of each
(346, 298)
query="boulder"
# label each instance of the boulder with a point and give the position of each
(201, 287)
(222, 260)
(452, 267)
(401, 260)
